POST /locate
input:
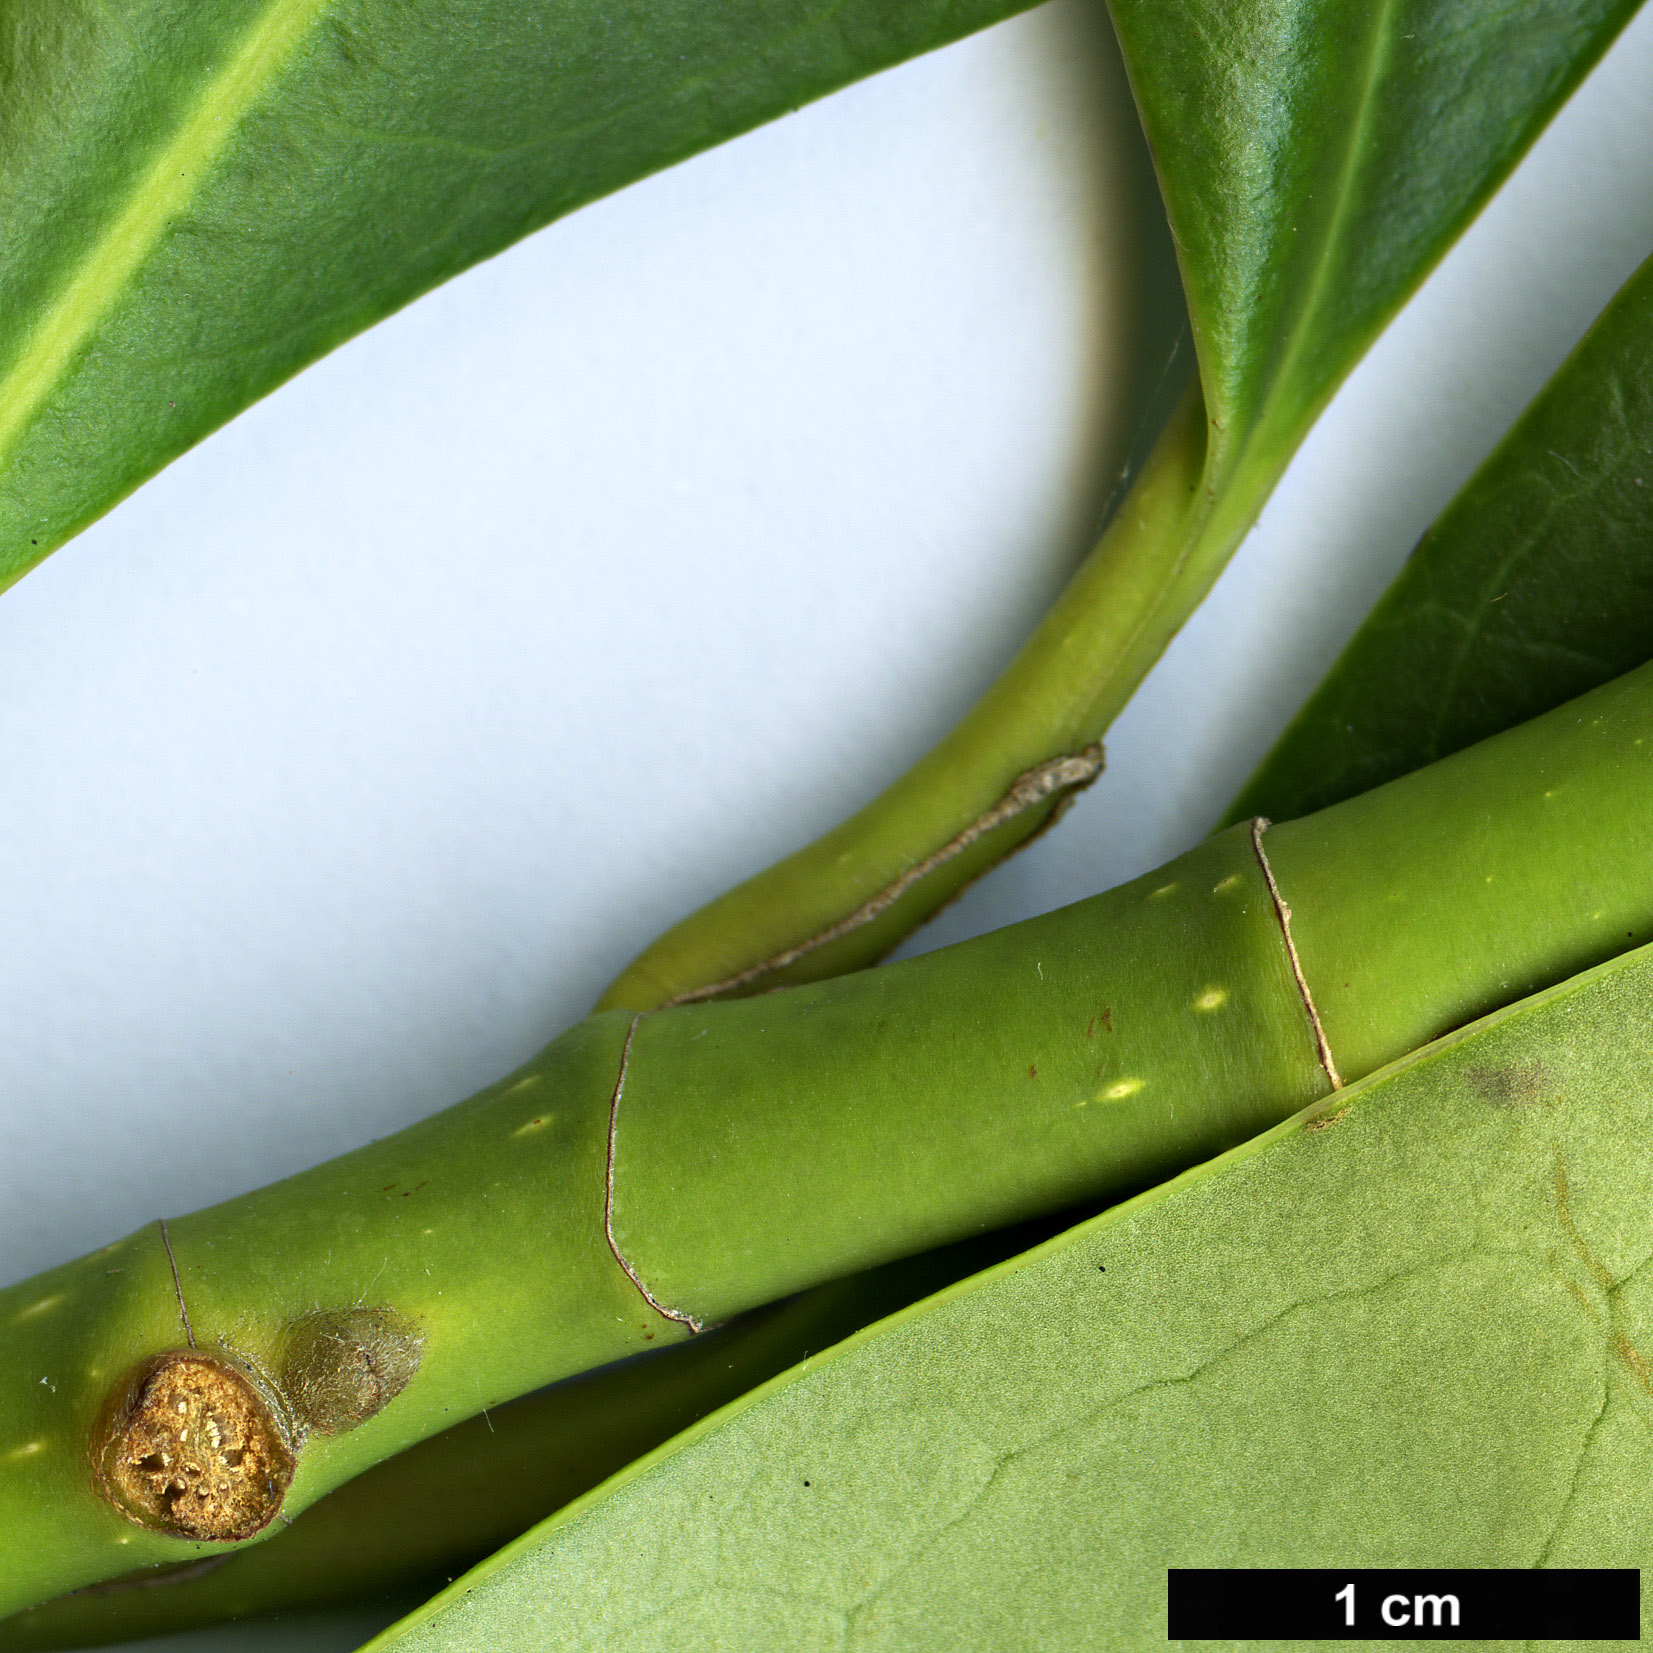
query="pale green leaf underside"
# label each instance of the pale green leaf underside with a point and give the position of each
(1406, 1331)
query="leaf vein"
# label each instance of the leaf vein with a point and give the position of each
(164, 191)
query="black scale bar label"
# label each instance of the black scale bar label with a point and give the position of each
(1411, 1604)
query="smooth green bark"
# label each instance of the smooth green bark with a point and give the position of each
(1271, 398)
(645, 1173)
(1428, 902)
(1092, 1050)
(486, 1238)
(486, 1224)
(408, 1526)
(1408, 1328)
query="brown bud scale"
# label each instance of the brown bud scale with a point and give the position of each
(342, 1366)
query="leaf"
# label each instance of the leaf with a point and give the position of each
(1408, 1327)
(1535, 584)
(200, 200)
(1316, 159)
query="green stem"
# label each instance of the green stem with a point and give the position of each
(411, 1524)
(648, 1173)
(846, 899)
(1005, 772)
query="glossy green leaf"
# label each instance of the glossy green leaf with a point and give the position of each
(1534, 585)
(200, 199)
(1406, 1328)
(1316, 158)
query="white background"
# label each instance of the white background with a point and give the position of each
(346, 761)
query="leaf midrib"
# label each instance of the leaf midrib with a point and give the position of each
(1301, 334)
(160, 195)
